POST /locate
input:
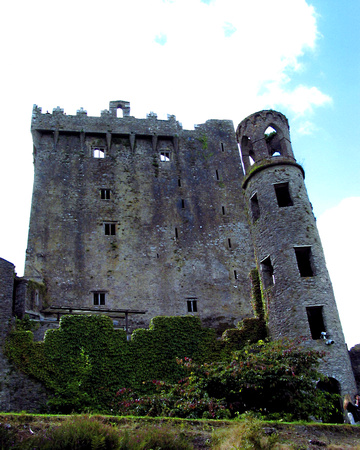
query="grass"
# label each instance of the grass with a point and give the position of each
(30, 431)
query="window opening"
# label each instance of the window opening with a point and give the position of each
(182, 203)
(235, 275)
(251, 157)
(99, 298)
(304, 261)
(165, 156)
(222, 147)
(283, 195)
(223, 210)
(110, 229)
(267, 271)
(217, 175)
(179, 182)
(316, 321)
(255, 208)
(192, 305)
(98, 152)
(105, 194)
(176, 233)
(229, 242)
(273, 142)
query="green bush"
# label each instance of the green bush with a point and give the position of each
(77, 433)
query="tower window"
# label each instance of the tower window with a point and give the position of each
(105, 194)
(217, 175)
(98, 152)
(255, 209)
(267, 271)
(222, 146)
(110, 229)
(283, 194)
(223, 210)
(235, 275)
(192, 305)
(304, 261)
(316, 321)
(99, 298)
(182, 203)
(179, 182)
(165, 156)
(229, 242)
(176, 233)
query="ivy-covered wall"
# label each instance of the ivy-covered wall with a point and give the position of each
(86, 361)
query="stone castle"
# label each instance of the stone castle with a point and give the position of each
(136, 218)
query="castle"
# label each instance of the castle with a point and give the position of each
(136, 218)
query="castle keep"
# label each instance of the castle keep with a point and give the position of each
(137, 218)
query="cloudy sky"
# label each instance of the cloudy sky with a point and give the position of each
(198, 60)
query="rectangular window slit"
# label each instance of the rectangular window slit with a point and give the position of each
(99, 298)
(182, 203)
(179, 182)
(255, 209)
(222, 147)
(176, 233)
(217, 175)
(304, 261)
(223, 210)
(105, 194)
(267, 272)
(229, 242)
(235, 275)
(192, 305)
(165, 156)
(98, 152)
(110, 229)
(283, 195)
(316, 321)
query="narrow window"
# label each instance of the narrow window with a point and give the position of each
(98, 152)
(179, 182)
(222, 147)
(255, 209)
(192, 305)
(99, 298)
(267, 271)
(217, 175)
(316, 321)
(283, 194)
(235, 275)
(165, 156)
(223, 210)
(105, 194)
(182, 203)
(176, 233)
(110, 229)
(229, 242)
(304, 261)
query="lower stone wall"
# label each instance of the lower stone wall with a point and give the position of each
(355, 363)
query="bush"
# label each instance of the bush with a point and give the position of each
(77, 433)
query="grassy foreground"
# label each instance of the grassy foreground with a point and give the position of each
(26, 431)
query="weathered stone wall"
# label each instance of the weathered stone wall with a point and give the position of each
(284, 227)
(181, 228)
(17, 391)
(355, 363)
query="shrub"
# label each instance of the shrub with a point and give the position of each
(77, 433)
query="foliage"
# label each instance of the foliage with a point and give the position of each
(86, 360)
(277, 380)
(26, 324)
(80, 433)
(7, 436)
(247, 434)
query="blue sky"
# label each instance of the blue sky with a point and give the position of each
(197, 59)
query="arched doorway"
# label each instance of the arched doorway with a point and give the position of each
(332, 387)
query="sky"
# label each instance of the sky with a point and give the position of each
(198, 60)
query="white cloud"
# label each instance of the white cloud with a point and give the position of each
(339, 228)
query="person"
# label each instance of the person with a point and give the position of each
(351, 408)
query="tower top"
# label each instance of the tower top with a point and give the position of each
(264, 138)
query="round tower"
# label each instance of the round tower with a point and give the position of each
(296, 285)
